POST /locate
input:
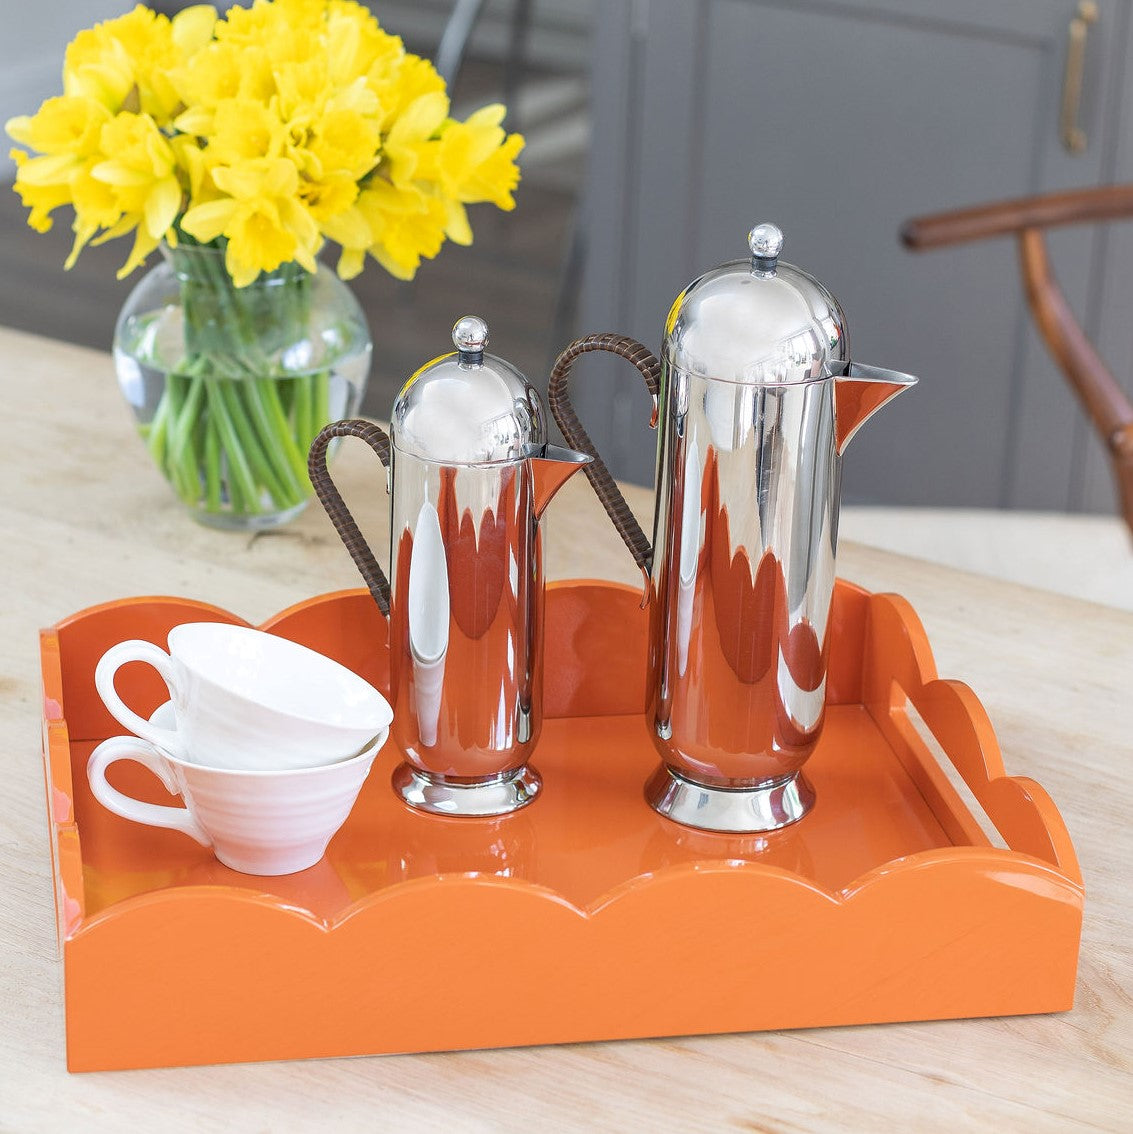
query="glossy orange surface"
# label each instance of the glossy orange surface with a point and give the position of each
(585, 916)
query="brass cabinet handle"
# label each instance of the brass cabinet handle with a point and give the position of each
(1073, 136)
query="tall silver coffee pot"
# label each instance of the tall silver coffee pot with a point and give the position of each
(757, 400)
(470, 473)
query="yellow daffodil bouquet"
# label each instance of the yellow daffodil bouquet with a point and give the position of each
(239, 146)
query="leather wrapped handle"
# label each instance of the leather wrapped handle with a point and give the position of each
(576, 436)
(331, 499)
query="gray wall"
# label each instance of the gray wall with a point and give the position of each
(838, 119)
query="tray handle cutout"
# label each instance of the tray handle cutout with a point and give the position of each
(902, 672)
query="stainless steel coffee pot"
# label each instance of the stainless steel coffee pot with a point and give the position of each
(757, 400)
(470, 473)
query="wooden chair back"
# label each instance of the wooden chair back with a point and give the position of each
(1107, 405)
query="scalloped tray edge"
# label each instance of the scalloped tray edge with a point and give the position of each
(968, 930)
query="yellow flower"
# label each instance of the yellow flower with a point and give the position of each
(406, 237)
(98, 66)
(42, 200)
(348, 227)
(476, 160)
(191, 162)
(220, 71)
(127, 62)
(96, 206)
(67, 130)
(262, 218)
(142, 175)
(65, 126)
(397, 226)
(243, 128)
(331, 136)
(344, 142)
(356, 44)
(329, 197)
(411, 148)
(284, 27)
(192, 28)
(284, 123)
(399, 82)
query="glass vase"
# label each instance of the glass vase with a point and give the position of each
(230, 385)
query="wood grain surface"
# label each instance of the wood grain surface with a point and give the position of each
(85, 518)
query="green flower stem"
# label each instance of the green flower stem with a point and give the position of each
(241, 482)
(261, 439)
(256, 445)
(181, 453)
(172, 459)
(171, 403)
(211, 463)
(154, 432)
(303, 410)
(260, 443)
(263, 395)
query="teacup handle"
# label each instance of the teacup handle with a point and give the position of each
(331, 499)
(576, 436)
(152, 814)
(117, 656)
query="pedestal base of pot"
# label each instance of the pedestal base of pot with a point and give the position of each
(709, 808)
(439, 796)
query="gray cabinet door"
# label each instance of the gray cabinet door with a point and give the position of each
(837, 119)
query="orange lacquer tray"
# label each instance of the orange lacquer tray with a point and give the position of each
(585, 916)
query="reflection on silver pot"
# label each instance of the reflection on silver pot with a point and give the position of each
(470, 475)
(757, 400)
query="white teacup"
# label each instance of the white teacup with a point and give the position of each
(257, 822)
(248, 700)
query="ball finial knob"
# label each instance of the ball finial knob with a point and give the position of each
(765, 242)
(470, 334)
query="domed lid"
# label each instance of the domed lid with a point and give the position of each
(469, 408)
(757, 321)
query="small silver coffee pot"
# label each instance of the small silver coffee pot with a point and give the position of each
(757, 399)
(470, 474)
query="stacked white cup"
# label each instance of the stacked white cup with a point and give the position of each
(267, 742)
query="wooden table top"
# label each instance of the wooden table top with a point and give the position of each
(86, 519)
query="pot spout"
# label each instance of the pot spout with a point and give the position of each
(859, 394)
(550, 470)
